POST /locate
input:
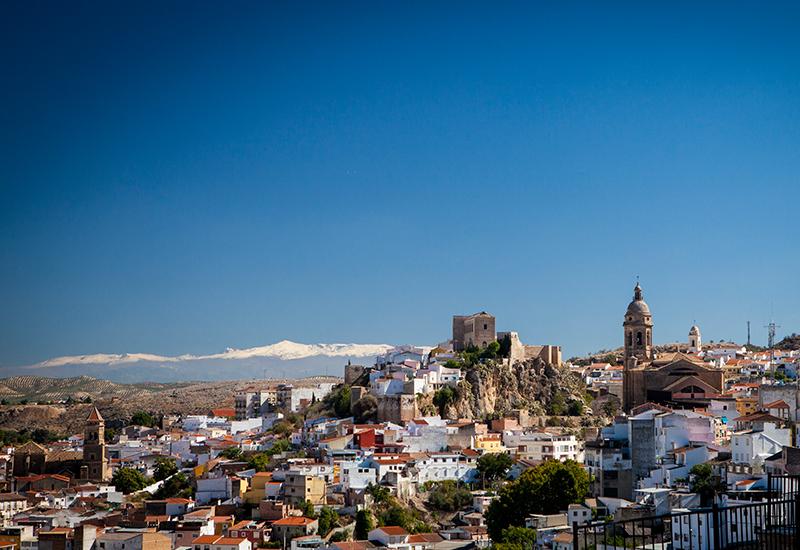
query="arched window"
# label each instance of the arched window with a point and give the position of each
(630, 339)
(639, 338)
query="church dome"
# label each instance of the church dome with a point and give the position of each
(638, 306)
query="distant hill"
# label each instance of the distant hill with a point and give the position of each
(791, 342)
(117, 402)
(284, 359)
(44, 389)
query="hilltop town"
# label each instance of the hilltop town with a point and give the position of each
(477, 441)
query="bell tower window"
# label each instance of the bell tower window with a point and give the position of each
(639, 338)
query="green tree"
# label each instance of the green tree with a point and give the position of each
(516, 538)
(176, 486)
(611, 407)
(505, 346)
(364, 524)
(328, 519)
(575, 408)
(308, 509)
(165, 467)
(490, 351)
(379, 493)
(494, 466)
(558, 405)
(544, 489)
(408, 519)
(442, 398)
(705, 483)
(366, 409)
(142, 418)
(109, 434)
(339, 536)
(279, 446)
(232, 453)
(447, 496)
(341, 402)
(129, 480)
(282, 428)
(260, 462)
(43, 435)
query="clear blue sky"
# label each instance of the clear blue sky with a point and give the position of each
(183, 177)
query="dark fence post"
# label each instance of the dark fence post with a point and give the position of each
(575, 536)
(795, 522)
(715, 517)
(768, 519)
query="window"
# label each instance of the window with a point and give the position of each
(639, 338)
(485, 326)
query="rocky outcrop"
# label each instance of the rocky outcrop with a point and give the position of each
(491, 388)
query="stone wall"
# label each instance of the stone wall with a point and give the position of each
(353, 373)
(397, 408)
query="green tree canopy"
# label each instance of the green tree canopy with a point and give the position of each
(366, 409)
(408, 519)
(544, 489)
(558, 405)
(339, 536)
(308, 509)
(176, 486)
(142, 418)
(443, 397)
(282, 428)
(341, 402)
(232, 453)
(129, 480)
(611, 407)
(328, 519)
(260, 462)
(364, 524)
(705, 483)
(447, 496)
(494, 466)
(379, 493)
(165, 467)
(516, 538)
(576, 408)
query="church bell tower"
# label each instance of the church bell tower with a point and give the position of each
(638, 329)
(95, 463)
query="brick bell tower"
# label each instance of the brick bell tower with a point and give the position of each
(95, 463)
(638, 334)
(638, 328)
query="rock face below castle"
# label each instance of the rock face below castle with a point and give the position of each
(529, 385)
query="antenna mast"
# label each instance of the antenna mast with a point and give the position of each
(771, 340)
(748, 333)
(771, 333)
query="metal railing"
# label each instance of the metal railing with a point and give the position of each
(766, 524)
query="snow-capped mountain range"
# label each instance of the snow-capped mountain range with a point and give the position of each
(284, 359)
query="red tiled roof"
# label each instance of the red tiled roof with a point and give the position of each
(425, 537)
(393, 530)
(293, 521)
(758, 416)
(779, 404)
